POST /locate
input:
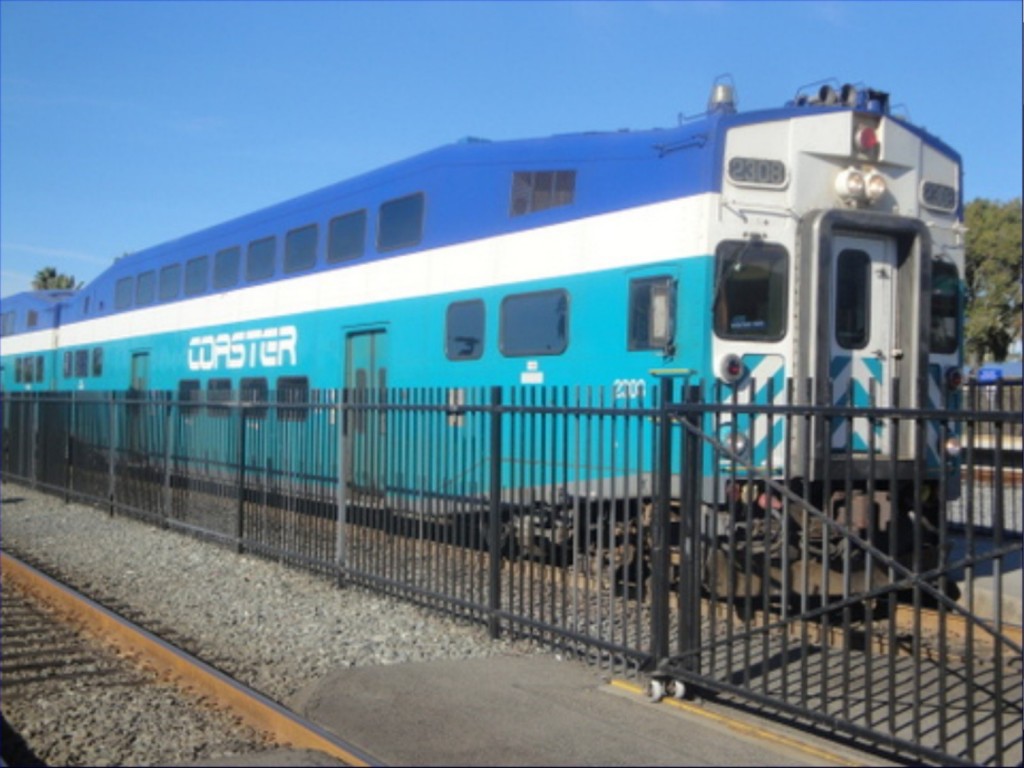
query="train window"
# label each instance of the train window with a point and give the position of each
(18, 374)
(254, 390)
(67, 369)
(7, 324)
(97, 361)
(196, 275)
(534, 323)
(652, 309)
(538, 190)
(259, 261)
(751, 290)
(170, 282)
(465, 330)
(346, 237)
(400, 223)
(853, 299)
(945, 330)
(300, 249)
(218, 391)
(32, 319)
(81, 363)
(40, 368)
(292, 389)
(225, 268)
(188, 392)
(123, 292)
(145, 288)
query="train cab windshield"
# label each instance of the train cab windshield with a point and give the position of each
(751, 290)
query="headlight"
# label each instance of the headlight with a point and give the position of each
(953, 447)
(875, 187)
(850, 185)
(734, 442)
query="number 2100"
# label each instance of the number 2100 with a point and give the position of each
(628, 389)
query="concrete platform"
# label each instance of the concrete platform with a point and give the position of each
(536, 710)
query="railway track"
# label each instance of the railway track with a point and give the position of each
(84, 686)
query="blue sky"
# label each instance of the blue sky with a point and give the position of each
(126, 124)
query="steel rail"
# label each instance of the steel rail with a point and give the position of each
(256, 709)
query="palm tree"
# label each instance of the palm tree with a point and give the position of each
(48, 278)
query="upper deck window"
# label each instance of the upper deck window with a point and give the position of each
(7, 323)
(170, 282)
(347, 236)
(400, 222)
(196, 275)
(259, 261)
(123, 292)
(32, 319)
(300, 249)
(145, 288)
(225, 268)
(538, 190)
(751, 289)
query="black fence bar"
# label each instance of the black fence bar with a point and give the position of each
(845, 565)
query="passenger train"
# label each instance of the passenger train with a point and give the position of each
(819, 241)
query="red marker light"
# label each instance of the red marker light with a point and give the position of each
(730, 368)
(866, 138)
(954, 379)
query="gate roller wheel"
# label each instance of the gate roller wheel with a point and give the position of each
(677, 689)
(656, 689)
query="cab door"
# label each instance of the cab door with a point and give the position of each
(865, 357)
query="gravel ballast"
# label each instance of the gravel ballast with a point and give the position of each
(273, 628)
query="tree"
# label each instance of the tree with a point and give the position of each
(993, 278)
(48, 279)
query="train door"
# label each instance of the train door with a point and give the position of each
(140, 372)
(135, 412)
(366, 379)
(865, 356)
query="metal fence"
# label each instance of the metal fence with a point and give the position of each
(625, 531)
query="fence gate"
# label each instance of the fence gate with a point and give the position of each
(860, 607)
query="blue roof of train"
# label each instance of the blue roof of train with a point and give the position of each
(467, 193)
(466, 185)
(46, 304)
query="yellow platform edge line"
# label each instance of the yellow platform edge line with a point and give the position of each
(744, 728)
(256, 714)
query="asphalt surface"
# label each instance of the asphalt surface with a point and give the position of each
(535, 710)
